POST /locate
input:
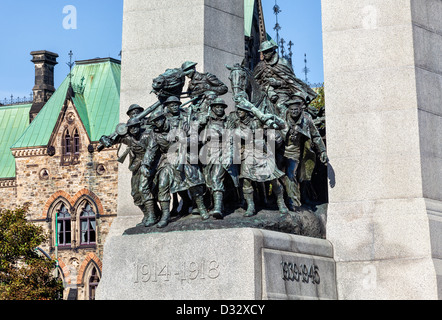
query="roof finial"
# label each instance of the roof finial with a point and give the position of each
(70, 65)
(306, 70)
(290, 52)
(276, 11)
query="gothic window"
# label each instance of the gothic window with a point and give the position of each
(64, 232)
(76, 142)
(70, 147)
(87, 225)
(94, 279)
(67, 143)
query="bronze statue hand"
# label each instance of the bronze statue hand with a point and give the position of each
(105, 141)
(323, 157)
(145, 171)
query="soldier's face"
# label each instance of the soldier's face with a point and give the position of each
(241, 113)
(268, 54)
(173, 107)
(295, 109)
(133, 113)
(190, 72)
(158, 123)
(218, 110)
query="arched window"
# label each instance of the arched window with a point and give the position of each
(64, 232)
(93, 281)
(70, 147)
(76, 142)
(67, 143)
(87, 225)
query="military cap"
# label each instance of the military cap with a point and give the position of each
(133, 122)
(157, 115)
(267, 45)
(297, 97)
(172, 99)
(134, 107)
(187, 65)
(219, 101)
(244, 107)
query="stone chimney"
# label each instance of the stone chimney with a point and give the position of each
(45, 62)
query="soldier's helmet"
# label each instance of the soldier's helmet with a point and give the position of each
(133, 122)
(244, 107)
(219, 101)
(134, 107)
(187, 65)
(296, 98)
(156, 116)
(267, 45)
(172, 99)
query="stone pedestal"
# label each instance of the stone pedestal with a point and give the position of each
(228, 264)
(383, 76)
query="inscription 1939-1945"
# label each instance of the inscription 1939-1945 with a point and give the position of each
(192, 270)
(302, 272)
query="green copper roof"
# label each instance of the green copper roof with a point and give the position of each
(97, 100)
(249, 7)
(13, 122)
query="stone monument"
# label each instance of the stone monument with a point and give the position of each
(239, 255)
(384, 129)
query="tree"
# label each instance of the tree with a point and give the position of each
(25, 274)
(319, 102)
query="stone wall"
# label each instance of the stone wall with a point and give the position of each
(8, 194)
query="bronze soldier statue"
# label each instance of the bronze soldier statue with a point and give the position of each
(258, 162)
(276, 77)
(137, 141)
(203, 87)
(215, 154)
(167, 155)
(299, 129)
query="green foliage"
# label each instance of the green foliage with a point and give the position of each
(25, 274)
(319, 102)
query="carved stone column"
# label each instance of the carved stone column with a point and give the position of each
(383, 75)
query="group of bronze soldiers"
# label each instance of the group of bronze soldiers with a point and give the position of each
(191, 151)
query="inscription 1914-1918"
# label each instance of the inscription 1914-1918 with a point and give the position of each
(293, 272)
(192, 270)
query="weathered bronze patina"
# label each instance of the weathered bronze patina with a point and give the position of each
(219, 161)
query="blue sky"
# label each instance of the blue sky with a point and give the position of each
(300, 22)
(29, 25)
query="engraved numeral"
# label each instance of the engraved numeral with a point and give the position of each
(185, 271)
(304, 273)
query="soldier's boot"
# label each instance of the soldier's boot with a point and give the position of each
(293, 193)
(217, 211)
(164, 221)
(250, 205)
(199, 201)
(149, 214)
(280, 200)
(143, 209)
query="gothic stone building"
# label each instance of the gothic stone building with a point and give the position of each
(48, 157)
(51, 166)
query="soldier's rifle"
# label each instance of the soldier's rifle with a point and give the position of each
(121, 130)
